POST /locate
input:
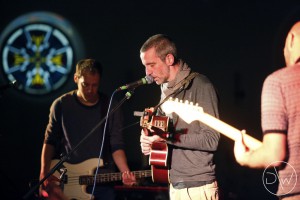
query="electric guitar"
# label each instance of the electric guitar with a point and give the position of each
(189, 113)
(159, 158)
(81, 175)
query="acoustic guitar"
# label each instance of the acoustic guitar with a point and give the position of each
(159, 158)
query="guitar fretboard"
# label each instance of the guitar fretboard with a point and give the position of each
(109, 177)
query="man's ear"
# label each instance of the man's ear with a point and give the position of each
(75, 78)
(169, 59)
(290, 40)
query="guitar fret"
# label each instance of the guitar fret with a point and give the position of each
(103, 178)
(76, 181)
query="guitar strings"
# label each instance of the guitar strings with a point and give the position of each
(104, 178)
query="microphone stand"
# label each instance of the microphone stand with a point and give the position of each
(67, 156)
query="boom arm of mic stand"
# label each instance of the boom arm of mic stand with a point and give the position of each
(64, 158)
(67, 156)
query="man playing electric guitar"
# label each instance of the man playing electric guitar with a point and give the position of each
(72, 117)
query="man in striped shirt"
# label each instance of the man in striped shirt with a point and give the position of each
(280, 118)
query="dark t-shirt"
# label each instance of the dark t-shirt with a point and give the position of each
(70, 122)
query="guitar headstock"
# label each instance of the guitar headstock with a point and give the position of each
(186, 110)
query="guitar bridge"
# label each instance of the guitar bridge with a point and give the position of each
(63, 175)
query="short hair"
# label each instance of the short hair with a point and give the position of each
(91, 66)
(163, 45)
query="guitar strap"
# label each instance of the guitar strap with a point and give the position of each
(183, 85)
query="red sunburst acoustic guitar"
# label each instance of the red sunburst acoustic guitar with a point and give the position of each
(159, 155)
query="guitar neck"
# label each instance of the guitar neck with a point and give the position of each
(110, 177)
(228, 130)
(189, 112)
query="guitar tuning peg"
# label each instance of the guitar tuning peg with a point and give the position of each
(176, 99)
(186, 102)
(191, 103)
(180, 101)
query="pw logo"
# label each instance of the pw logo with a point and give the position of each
(286, 183)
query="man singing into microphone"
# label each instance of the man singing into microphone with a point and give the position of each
(142, 81)
(72, 117)
(192, 170)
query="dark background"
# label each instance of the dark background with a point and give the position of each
(236, 44)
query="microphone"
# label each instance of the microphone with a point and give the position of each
(8, 85)
(142, 81)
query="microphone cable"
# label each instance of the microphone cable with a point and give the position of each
(102, 144)
(127, 96)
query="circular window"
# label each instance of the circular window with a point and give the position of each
(38, 51)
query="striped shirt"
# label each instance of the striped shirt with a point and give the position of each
(280, 107)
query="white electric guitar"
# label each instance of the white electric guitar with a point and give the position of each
(190, 112)
(80, 175)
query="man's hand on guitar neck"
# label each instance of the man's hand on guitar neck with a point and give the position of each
(241, 151)
(128, 178)
(146, 141)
